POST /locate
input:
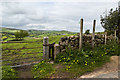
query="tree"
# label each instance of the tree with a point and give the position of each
(21, 34)
(87, 31)
(110, 21)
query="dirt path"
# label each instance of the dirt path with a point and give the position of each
(109, 68)
(24, 72)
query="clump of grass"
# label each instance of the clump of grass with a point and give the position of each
(112, 48)
(42, 70)
(8, 72)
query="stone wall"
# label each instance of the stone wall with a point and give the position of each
(73, 41)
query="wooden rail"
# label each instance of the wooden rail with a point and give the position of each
(23, 63)
(20, 59)
(19, 54)
(21, 48)
(20, 42)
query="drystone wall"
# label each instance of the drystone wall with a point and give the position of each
(73, 41)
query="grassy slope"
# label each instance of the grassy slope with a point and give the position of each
(36, 42)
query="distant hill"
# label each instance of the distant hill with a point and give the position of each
(36, 33)
(3, 29)
(8, 33)
(9, 30)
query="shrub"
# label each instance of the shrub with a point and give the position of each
(8, 72)
(87, 31)
(21, 34)
(112, 48)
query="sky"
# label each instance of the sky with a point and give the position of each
(54, 14)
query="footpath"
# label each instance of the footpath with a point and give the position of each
(109, 70)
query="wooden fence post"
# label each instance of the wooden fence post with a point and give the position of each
(81, 33)
(93, 35)
(56, 50)
(45, 48)
(115, 34)
(105, 38)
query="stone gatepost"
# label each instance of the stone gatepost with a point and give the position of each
(56, 50)
(45, 48)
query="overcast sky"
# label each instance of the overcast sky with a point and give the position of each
(54, 15)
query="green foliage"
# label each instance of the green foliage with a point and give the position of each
(79, 62)
(21, 34)
(42, 70)
(110, 21)
(112, 48)
(8, 72)
(83, 58)
(87, 31)
(99, 32)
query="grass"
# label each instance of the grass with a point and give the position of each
(8, 72)
(75, 63)
(20, 53)
(77, 70)
(42, 70)
(79, 62)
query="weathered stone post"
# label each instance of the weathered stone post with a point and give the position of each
(105, 38)
(81, 33)
(56, 50)
(93, 35)
(45, 48)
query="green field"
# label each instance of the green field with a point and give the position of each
(31, 46)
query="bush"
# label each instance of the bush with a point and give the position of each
(87, 31)
(112, 48)
(8, 72)
(21, 34)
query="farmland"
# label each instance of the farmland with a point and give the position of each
(31, 46)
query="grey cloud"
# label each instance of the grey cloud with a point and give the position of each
(58, 16)
(12, 9)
